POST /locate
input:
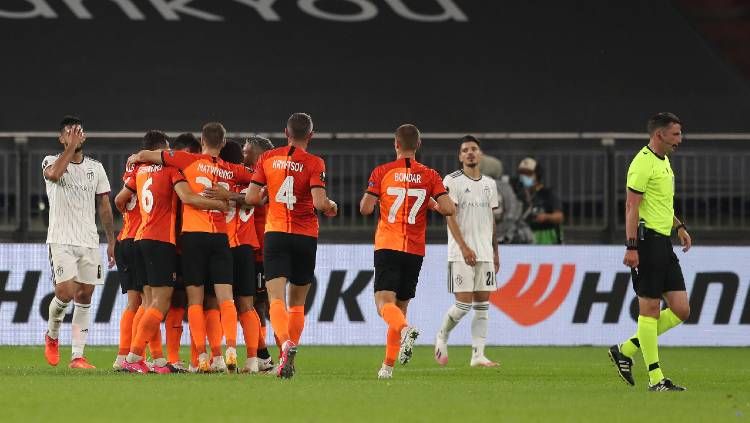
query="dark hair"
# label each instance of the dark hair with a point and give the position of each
(257, 141)
(469, 138)
(213, 134)
(155, 140)
(300, 125)
(187, 141)
(69, 120)
(661, 120)
(408, 137)
(231, 152)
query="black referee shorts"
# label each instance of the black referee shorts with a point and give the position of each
(658, 268)
(126, 267)
(206, 258)
(243, 262)
(291, 256)
(398, 272)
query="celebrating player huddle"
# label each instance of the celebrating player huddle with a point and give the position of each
(221, 229)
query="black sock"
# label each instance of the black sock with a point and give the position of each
(263, 353)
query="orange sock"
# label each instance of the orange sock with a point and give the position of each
(262, 337)
(296, 322)
(197, 323)
(229, 322)
(173, 327)
(136, 322)
(155, 344)
(147, 328)
(126, 331)
(251, 331)
(213, 330)
(392, 345)
(193, 353)
(393, 316)
(279, 320)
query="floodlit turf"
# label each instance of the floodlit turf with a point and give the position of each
(340, 384)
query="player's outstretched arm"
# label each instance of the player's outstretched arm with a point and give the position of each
(145, 156)
(73, 137)
(108, 222)
(322, 203)
(122, 198)
(446, 207)
(367, 204)
(187, 196)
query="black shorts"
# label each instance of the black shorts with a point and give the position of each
(658, 268)
(291, 256)
(260, 280)
(206, 258)
(158, 262)
(398, 272)
(126, 267)
(179, 282)
(243, 262)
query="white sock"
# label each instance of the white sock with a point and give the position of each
(452, 317)
(133, 358)
(80, 328)
(56, 315)
(479, 327)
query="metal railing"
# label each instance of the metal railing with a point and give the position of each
(587, 171)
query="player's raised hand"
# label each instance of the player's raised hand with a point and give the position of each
(331, 212)
(133, 159)
(77, 135)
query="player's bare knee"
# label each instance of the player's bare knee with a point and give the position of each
(480, 296)
(649, 307)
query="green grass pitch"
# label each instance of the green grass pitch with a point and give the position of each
(340, 384)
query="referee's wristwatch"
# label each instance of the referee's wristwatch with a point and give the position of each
(631, 244)
(680, 226)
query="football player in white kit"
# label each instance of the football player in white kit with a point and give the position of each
(77, 186)
(473, 258)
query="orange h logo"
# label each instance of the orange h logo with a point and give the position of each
(526, 309)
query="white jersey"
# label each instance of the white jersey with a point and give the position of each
(474, 200)
(72, 202)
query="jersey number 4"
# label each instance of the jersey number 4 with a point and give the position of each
(401, 194)
(285, 195)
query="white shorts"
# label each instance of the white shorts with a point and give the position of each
(465, 278)
(70, 262)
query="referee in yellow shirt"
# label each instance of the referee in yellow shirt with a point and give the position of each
(655, 269)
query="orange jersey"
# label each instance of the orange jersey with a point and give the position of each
(403, 187)
(131, 219)
(240, 222)
(289, 174)
(203, 171)
(158, 202)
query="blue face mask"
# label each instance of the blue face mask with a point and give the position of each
(526, 180)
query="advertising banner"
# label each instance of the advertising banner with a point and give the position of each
(556, 295)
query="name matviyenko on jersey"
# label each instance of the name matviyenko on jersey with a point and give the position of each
(528, 308)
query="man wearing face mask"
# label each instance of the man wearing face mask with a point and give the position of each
(542, 206)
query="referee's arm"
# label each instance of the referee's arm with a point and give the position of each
(632, 202)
